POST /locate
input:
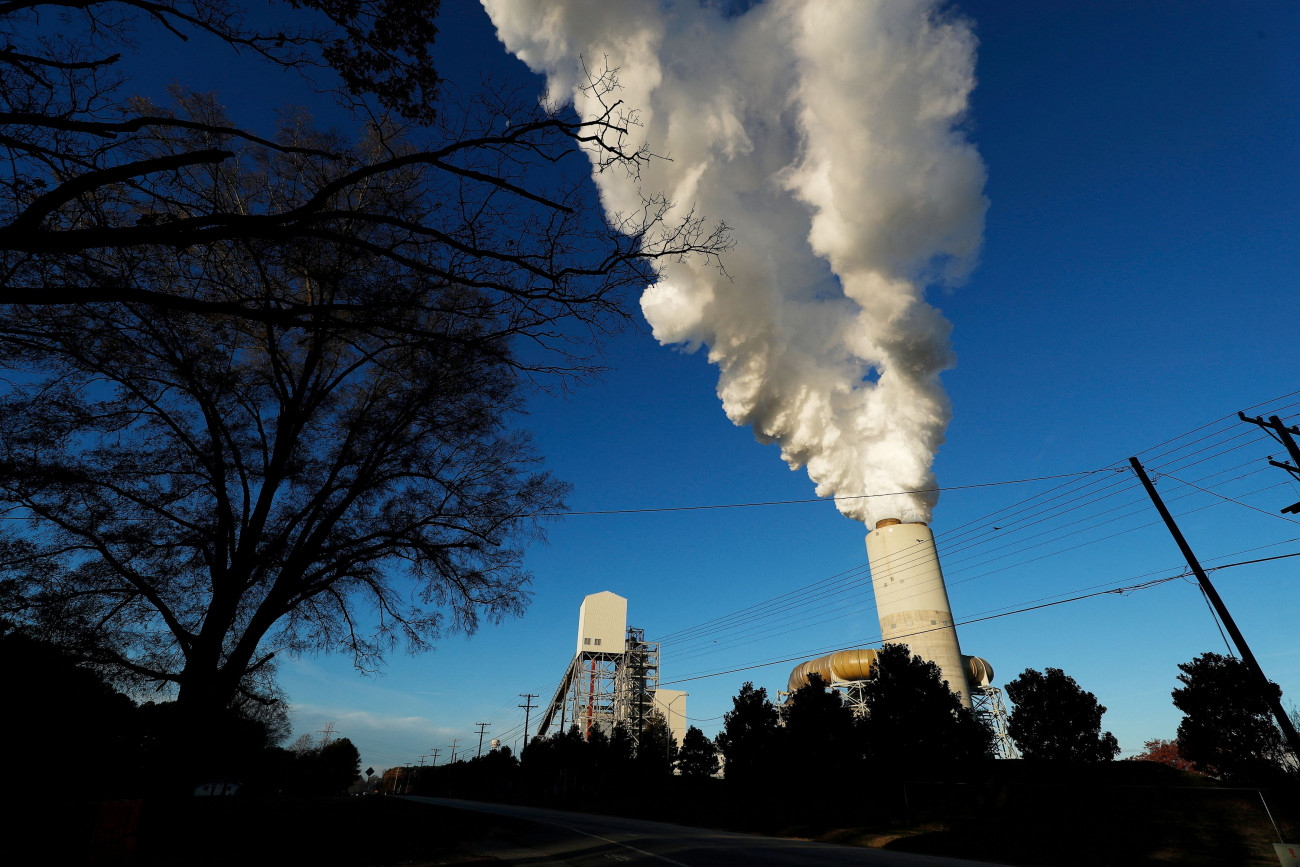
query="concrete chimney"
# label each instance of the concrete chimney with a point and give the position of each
(912, 600)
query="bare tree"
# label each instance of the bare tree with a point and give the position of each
(91, 174)
(260, 389)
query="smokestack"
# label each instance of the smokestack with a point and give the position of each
(912, 600)
(831, 137)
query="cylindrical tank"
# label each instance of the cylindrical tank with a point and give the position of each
(495, 743)
(839, 666)
(912, 600)
(856, 664)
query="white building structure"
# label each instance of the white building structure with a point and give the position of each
(613, 677)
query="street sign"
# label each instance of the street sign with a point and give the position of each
(370, 772)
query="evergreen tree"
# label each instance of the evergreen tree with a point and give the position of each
(1055, 719)
(913, 717)
(658, 748)
(1227, 729)
(698, 757)
(821, 733)
(750, 736)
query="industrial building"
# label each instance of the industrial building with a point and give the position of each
(613, 676)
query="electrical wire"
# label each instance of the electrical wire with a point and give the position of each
(802, 656)
(1238, 502)
(1082, 496)
(711, 506)
(1121, 591)
(1070, 489)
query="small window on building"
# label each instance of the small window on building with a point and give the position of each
(586, 641)
(598, 641)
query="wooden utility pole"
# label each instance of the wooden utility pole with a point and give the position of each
(482, 727)
(1261, 681)
(454, 741)
(528, 710)
(1283, 435)
(435, 755)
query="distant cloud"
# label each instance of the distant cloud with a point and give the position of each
(383, 740)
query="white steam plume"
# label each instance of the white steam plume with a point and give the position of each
(827, 135)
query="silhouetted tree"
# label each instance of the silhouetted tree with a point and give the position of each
(555, 766)
(698, 757)
(622, 751)
(1165, 753)
(53, 707)
(820, 732)
(657, 749)
(91, 171)
(340, 765)
(260, 388)
(1227, 729)
(1055, 719)
(749, 738)
(492, 775)
(912, 716)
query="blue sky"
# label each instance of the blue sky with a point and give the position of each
(1137, 281)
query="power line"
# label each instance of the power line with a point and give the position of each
(981, 619)
(1238, 502)
(784, 605)
(835, 600)
(710, 506)
(770, 631)
(1082, 493)
(1119, 590)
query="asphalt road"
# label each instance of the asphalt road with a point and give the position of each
(556, 837)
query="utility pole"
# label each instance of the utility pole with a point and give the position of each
(454, 741)
(422, 758)
(1261, 681)
(1283, 435)
(482, 727)
(435, 755)
(528, 710)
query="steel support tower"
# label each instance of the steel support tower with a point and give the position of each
(601, 689)
(988, 706)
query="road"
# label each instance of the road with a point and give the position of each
(557, 837)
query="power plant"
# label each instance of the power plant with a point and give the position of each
(614, 674)
(613, 677)
(912, 603)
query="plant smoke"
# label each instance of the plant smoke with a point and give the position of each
(829, 136)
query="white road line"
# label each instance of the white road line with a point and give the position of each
(615, 842)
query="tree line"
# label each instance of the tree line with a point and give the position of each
(905, 724)
(813, 745)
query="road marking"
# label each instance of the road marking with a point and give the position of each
(525, 817)
(615, 842)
